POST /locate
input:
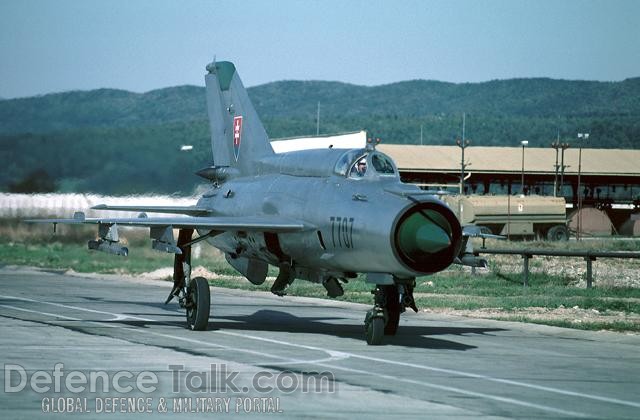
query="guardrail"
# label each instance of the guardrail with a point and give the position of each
(589, 257)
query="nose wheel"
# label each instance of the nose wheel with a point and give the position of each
(374, 327)
(383, 319)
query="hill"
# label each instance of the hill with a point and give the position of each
(101, 108)
(529, 98)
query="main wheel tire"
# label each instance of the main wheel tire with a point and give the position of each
(199, 304)
(558, 233)
(393, 310)
(374, 331)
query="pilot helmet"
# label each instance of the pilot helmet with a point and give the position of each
(362, 161)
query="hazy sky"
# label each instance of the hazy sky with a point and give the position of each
(140, 45)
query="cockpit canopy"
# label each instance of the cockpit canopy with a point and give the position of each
(365, 164)
(319, 163)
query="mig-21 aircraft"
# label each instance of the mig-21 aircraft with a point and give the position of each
(323, 215)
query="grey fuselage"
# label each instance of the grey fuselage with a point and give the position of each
(352, 220)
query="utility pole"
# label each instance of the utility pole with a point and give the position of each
(462, 144)
(557, 145)
(562, 166)
(463, 124)
(318, 120)
(524, 144)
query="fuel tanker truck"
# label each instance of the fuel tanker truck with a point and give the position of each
(528, 216)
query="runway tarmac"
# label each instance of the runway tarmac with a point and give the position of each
(299, 357)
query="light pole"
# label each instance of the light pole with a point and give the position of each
(462, 144)
(555, 145)
(524, 144)
(581, 136)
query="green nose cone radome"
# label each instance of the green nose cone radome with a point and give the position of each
(421, 236)
(432, 238)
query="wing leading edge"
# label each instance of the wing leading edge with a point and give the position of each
(190, 210)
(249, 223)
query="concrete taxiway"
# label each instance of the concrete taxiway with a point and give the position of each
(115, 350)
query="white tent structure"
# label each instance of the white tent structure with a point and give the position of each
(354, 140)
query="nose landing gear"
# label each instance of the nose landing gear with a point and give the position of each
(389, 302)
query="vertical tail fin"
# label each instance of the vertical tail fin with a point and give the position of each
(238, 138)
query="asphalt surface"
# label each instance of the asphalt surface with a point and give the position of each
(120, 351)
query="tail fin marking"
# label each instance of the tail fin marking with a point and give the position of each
(238, 138)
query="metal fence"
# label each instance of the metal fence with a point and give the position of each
(588, 256)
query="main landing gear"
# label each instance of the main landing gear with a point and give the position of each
(389, 302)
(193, 294)
(197, 302)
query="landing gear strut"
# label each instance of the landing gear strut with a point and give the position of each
(389, 302)
(193, 294)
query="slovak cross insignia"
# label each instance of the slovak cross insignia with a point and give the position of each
(237, 135)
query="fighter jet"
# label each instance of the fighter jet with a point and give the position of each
(323, 215)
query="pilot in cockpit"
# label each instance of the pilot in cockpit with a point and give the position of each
(361, 167)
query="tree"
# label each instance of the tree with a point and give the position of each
(37, 181)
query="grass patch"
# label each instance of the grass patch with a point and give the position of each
(619, 326)
(68, 256)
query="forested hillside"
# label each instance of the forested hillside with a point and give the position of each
(117, 142)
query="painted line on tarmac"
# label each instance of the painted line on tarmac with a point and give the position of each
(283, 360)
(513, 401)
(40, 313)
(447, 371)
(116, 316)
(339, 355)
